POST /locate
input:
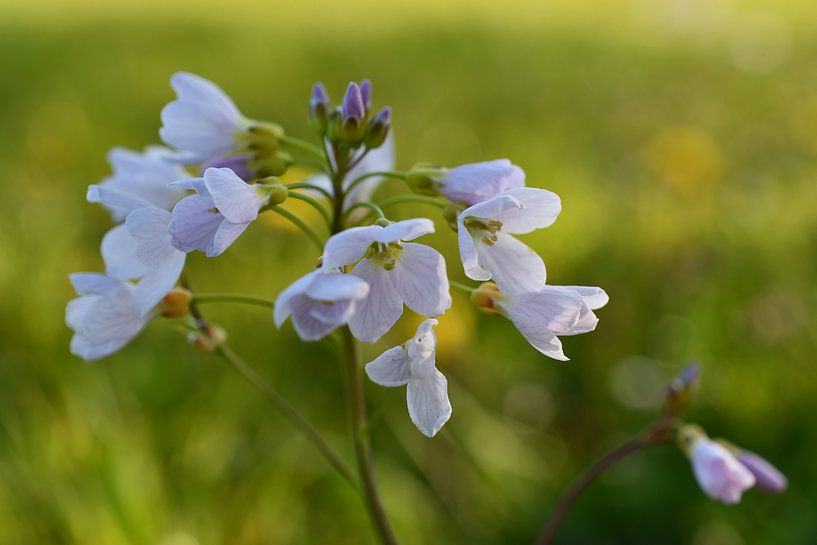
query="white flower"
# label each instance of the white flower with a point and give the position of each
(718, 472)
(488, 250)
(103, 317)
(397, 272)
(222, 208)
(413, 364)
(319, 302)
(542, 316)
(477, 182)
(376, 160)
(203, 122)
(142, 178)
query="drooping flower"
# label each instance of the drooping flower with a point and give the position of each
(103, 317)
(138, 180)
(212, 219)
(413, 364)
(397, 272)
(319, 302)
(477, 182)
(203, 122)
(767, 477)
(490, 252)
(718, 472)
(542, 316)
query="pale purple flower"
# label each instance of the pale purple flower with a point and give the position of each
(413, 364)
(319, 101)
(366, 93)
(203, 122)
(477, 182)
(319, 302)
(237, 163)
(212, 219)
(490, 252)
(767, 477)
(138, 180)
(718, 472)
(397, 272)
(103, 317)
(352, 107)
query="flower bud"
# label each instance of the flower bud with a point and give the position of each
(422, 179)
(682, 388)
(450, 213)
(484, 298)
(366, 93)
(176, 303)
(272, 165)
(378, 129)
(352, 106)
(382, 222)
(208, 340)
(272, 191)
(767, 477)
(319, 105)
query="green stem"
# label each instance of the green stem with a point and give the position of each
(357, 418)
(303, 226)
(315, 204)
(312, 163)
(313, 187)
(365, 204)
(287, 410)
(302, 145)
(400, 199)
(461, 286)
(232, 298)
(383, 173)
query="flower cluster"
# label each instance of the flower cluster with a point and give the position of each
(220, 172)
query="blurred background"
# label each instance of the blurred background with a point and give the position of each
(682, 138)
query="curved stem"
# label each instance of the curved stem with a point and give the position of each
(303, 226)
(654, 435)
(313, 187)
(312, 163)
(357, 418)
(365, 204)
(288, 411)
(382, 173)
(315, 204)
(400, 199)
(232, 298)
(302, 145)
(460, 285)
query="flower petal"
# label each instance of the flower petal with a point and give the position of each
(119, 253)
(194, 223)
(378, 312)
(594, 297)
(405, 230)
(469, 255)
(152, 288)
(420, 280)
(348, 246)
(539, 209)
(514, 266)
(235, 199)
(148, 228)
(96, 284)
(391, 368)
(281, 309)
(336, 287)
(308, 327)
(119, 201)
(226, 234)
(428, 404)
(476, 182)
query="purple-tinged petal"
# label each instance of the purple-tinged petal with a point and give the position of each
(419, 278)
(349, 246)
(391, 368)
(237, 201)
(428, 404)
(767, 477)
(378, 312)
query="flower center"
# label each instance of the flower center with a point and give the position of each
(385, 254)
(486, 228)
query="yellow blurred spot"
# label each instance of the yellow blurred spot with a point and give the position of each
(687, 159)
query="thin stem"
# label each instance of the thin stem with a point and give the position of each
(313, 187)
(284, 407)
(232, 298)
(365, 204)
(315, 204)
(400, 199)
(654, 435)
(357, 418)
(461, 286)
(303, 226)
(312, 163)
(356, 161)
(382, 173)
(302, 145)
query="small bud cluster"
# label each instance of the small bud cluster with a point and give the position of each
(351, 124)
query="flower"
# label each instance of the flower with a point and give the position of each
(240, 164)
(487, 250)
(222, 208)
(542, 315)
(477, 182)
(138, 180)
(319, 302)
(103, 317)
(353, 108)
(397, 272)
(203, 122)
(767, 477)
(413, 364)
(718, 472)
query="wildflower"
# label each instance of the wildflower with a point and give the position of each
(487, 249)
(319, 302)
(212, 219)
(413, 365)
(718, 471)
(397, 272)
(477, 182)
(103, 317)
(138, 180)
(203, 122)
(542, 316)
(767, 477)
